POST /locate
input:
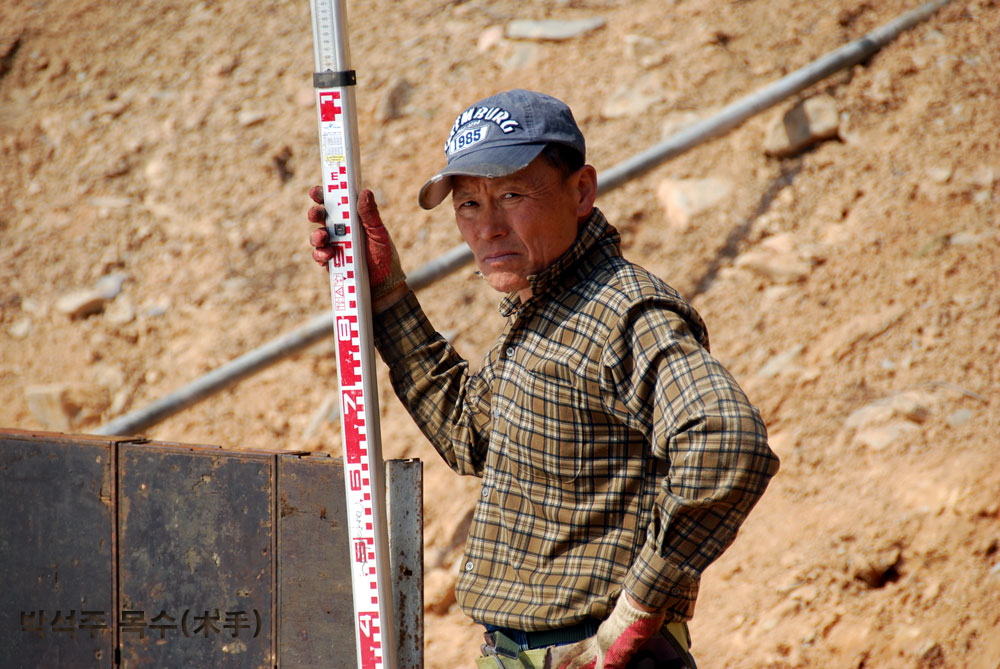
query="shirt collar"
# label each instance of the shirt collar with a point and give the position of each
(595, 232)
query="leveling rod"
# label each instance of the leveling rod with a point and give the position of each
(364, 477)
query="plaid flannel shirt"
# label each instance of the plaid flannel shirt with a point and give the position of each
(615, 451)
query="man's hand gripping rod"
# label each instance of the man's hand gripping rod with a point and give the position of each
(363, 468)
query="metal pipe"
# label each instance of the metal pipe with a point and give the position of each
(220, 378)
(732, 115)
(728, 118)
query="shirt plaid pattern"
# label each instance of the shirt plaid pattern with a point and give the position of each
(615, 451)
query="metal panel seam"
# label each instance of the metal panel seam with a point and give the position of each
(116, 652)
(275, 581)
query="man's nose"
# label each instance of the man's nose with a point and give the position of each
(493, 223)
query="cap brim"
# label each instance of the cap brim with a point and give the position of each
(491, 162)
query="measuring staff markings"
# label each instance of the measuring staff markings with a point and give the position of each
(344, 293)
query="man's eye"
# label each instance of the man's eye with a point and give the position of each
(510, 196)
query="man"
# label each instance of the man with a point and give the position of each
(618, 458)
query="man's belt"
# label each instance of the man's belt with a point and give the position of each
(578, 632)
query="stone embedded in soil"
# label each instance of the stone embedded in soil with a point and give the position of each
(777, 259)
(108, 202)
(394, 100)
(63, 406)
(49, 405)
(930, 654)
(552, 29)
(20, 328)
(912, 405)
(250, 117)
(629, 101)
(109, 376)
(805, 124)
(110, 285)
(524, 55)
(939, 174)
(81, 303)
(838, 342)
(959, 418)
(155, 309)
(489, 38)
(875, 568)
(683, 199)
(780, 362)
(984, 177)
(780, 268)
(157, 172)
(882, 437)
(89, 301)
(640, 48)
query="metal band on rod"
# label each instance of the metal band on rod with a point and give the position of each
(331, 79)
(364, 473)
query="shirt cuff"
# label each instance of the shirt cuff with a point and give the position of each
(657, 583)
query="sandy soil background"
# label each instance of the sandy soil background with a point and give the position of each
(851, 287)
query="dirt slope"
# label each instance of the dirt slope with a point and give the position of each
(851, 288)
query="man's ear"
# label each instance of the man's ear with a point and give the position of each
(585, 184)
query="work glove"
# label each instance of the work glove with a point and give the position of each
(617, 639)
(385, 273)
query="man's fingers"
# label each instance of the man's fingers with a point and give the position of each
(579, 663)
(319, 238)
(575, 656)
(317, 214)
(368, 210)
(322, 256)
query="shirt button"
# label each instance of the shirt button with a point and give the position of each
(486, 492)
(510, 351)
(675, 591)
(469, 566)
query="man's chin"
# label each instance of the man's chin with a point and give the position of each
(504, 282)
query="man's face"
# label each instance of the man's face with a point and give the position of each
(518, 225)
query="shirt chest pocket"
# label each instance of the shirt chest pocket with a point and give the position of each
(557, 421)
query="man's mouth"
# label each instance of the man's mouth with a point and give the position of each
(498, 256)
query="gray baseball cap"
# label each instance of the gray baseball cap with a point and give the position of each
(500, 135)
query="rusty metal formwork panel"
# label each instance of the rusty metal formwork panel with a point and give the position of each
(56, 551)
(316, 626)
(196, 569)
(404, 486)
(124, 553)
(314, 584)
